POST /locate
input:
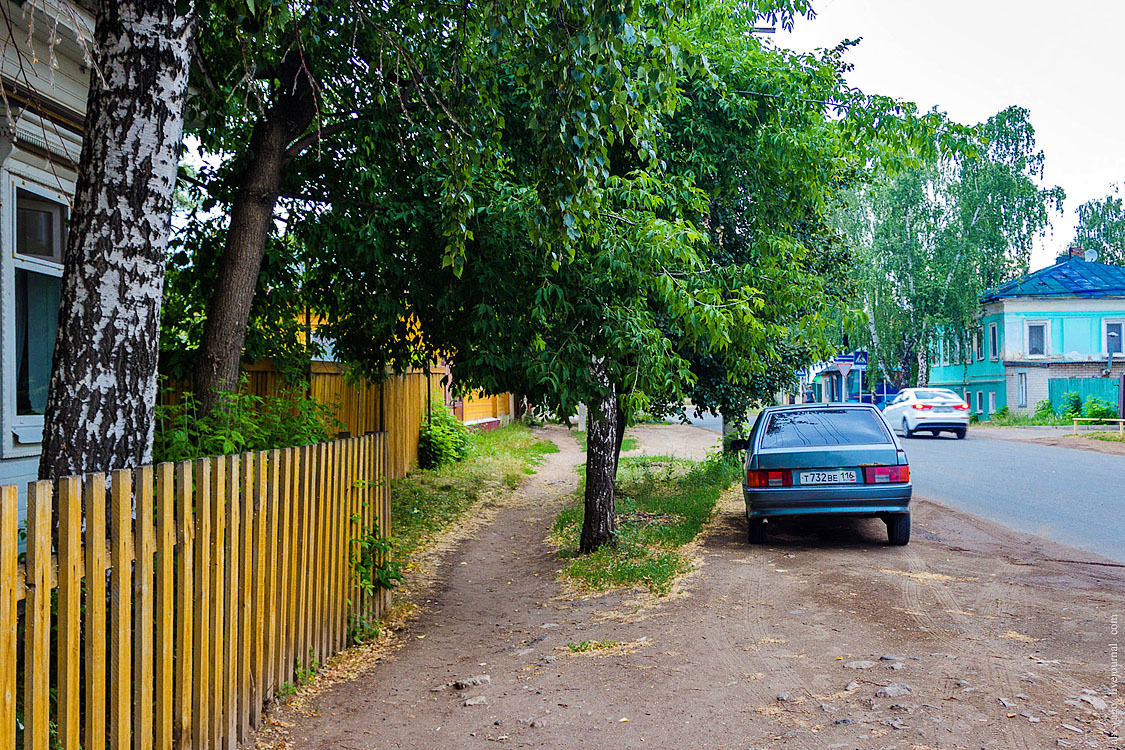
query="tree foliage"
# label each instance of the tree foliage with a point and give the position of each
(1101, 227)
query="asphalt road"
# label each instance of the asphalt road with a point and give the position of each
(1071, 496)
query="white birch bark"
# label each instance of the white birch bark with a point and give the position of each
(102, 393)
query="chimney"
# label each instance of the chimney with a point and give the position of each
(1074, 251)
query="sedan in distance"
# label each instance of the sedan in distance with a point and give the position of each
(933, 410)
(825, 459)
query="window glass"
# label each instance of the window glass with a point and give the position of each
(1036, 339)
(993, 350)
(1021, 381)
(38, 227)
(1114, 343)
(796, 429)
(978, 343)
(928, 393)
(37, 314)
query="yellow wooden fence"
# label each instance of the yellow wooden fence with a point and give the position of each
(187, 600)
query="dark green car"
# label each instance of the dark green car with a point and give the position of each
(825, 459)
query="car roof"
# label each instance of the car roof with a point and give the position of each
(818, 406)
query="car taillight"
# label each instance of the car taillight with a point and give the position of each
(886, 474)
(767, 478)
(961, 407)
(922, 406)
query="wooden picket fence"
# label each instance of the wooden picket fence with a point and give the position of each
(171, 622)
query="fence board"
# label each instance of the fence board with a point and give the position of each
(95, 612)
(120, 607)
(201, 641)
(9, 541)
(185, 597)
(218, 593)
(165, 540)
(70, 609)
(145, 540)
(272, 648)
(246, 595)
(232, 605)
(37, 614)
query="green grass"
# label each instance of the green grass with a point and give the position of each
(1111, 437)
(662, 504)
(584, 646)
(426, 502)
(628, 444)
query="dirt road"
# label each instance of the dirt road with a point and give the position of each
(970, 637)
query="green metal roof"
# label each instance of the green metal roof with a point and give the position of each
(1072, 277)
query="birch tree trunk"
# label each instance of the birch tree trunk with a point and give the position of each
(923, 366)
(599, 520)
(251, 219)
(100, 402)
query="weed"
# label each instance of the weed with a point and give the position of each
(627, 443)
(584, 646)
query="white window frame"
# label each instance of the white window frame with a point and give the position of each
(980, 402)
(1021, 389)
(968, 398)
(1027, 324)
(992, 402)
(21, 434)
(978, 346)
(1106, 322)
(993, 342)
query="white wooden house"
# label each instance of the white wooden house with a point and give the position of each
(45, 75)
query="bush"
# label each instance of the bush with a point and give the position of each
(443, 439)
(1044, 409)
(1071, 405)
(241, 422)
(1002, 414)
(974, 419)
(1098, 408)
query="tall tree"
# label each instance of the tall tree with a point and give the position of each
(102, 392)
(932, 237)
(1101, 227)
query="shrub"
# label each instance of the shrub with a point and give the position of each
(1002, 414)
(1044, 409)
(1071, 405)
(241, 422)
(1098, 408)
(974, 419)
(443, 439)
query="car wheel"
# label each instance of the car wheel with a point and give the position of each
(898, 529)
(906, 432)
(755, 531)
(960, 433)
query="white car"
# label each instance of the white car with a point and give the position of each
(934, 410)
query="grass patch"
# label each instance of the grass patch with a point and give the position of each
(1110, 437)
(662, 504)
(584, 646)
(425, 502)
(627, 444)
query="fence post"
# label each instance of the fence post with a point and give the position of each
(201, 646)
(95, 609)
(185, 596)
(9, 541)
(70, 607)
(144, 542)
(163, 716)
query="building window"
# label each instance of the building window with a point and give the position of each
(992, 402)
(1021, 388)
(40, 231)
(980, 402)
(993, 343)
(978, 344)
(968, 399)
(1036, 339)
(1114, 332)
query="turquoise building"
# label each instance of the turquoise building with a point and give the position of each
(1059, 322)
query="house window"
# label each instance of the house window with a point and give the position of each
(992, 402)
(1114, 337)
(968, 399)
(1036, 339)
(37, 265)
(980, 402)
(1021, 388)
(993, 343)
(978, 344)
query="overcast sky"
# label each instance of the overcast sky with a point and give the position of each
(1062, 61)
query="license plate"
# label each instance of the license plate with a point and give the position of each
(841, 476)
(943, 409)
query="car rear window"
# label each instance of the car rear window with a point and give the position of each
(925, 395)
(813, 427)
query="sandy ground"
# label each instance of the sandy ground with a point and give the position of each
(970, 637)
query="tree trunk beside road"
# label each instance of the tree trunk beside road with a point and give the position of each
(599, 520)
(100, 403)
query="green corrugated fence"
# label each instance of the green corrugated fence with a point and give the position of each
(1103, 388)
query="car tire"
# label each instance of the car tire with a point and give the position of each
(898, 529)
(960, 433)
(755, 531)
(906, 431)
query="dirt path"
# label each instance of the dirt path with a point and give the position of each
(778, 646)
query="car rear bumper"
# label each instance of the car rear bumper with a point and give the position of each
(862, 500)
(941, 424)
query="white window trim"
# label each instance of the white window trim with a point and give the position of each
(12, 425)
(1046, 338)
(1021, 389)
(993, 339)
(992, 402)
(978, 348)
(980, 402)
(1105, 336)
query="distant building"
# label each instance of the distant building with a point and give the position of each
(1061, 322)
(41, 120)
